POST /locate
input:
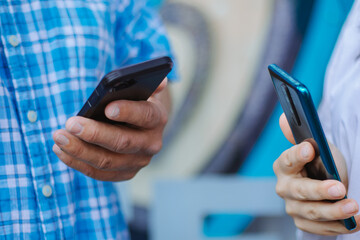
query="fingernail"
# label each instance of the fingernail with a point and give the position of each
(113, 111)
(335, 191)
(349, 208)
(56, 149)
(76, 128)
(305, 151)
(62, 140)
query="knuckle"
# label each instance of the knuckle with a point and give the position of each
(289, 210)
(149, 115)
(276, 166)
(280, 189)
(164, 119)
(300, 192)
(122, 142)
(312, 213)
(144, 163)
(155, 147)
(283, 161)
(77, 150)
(288, 163)
(105, 163)
(288, 157)
(92, 134)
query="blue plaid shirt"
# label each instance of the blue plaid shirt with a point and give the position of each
(52, 55)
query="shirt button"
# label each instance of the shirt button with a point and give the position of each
(47, 191)
(13, 40)
(32, 116)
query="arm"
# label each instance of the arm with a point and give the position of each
(307, 200)
(114, 153)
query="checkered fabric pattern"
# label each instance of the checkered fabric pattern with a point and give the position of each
(52, 55)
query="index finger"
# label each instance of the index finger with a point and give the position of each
(306, 189)
(120, 139)
(143, 114)
(161, 87)
(293, 160)
(285, 128)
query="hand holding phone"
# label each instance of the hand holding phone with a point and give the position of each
(308, 178)
(116, 152)
(135, 82)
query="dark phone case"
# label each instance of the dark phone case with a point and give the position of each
(305, 125)
(135, 82)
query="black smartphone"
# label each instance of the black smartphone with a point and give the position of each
(304, 122)
(134, 82)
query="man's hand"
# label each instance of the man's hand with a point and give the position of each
(307, 200)
(114, 153)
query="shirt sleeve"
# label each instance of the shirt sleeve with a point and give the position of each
(300, 235)
(140, 35)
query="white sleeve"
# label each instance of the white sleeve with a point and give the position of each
(300, 235)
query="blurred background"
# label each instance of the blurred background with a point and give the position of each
(214, 179)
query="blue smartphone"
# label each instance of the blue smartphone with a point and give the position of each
(134, 82)
(304, 122)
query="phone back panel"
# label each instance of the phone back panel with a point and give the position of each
(136, 83)
(304, 122)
